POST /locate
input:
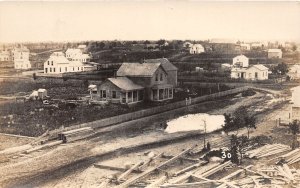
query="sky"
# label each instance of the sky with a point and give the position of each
(148, 20)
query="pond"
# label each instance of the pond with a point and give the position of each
(192, 122)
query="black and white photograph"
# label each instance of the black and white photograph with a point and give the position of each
(149, 94)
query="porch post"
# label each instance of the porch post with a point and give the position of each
(157, 94)
(132, 96)
(126, 97)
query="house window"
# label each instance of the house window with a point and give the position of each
(50, 69)
(48, 63)
(161, 76)
(66, 69)
(156, 77)
(171, 93)
(256, 75)
(114, 94)
(78, 68)
(53, 69)
(52, 63)
(46, 70)
(103, 93)
(73, 69)
(59, 69)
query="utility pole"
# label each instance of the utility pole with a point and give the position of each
(204, 138)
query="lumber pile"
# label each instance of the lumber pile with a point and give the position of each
(267, 150)
(291, 157)
(75, 134)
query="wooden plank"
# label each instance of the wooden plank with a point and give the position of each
(235, 173)
(144, 174)
(158, 182)
(127, 172)
(255, 182)
(150, 160)
(190, 168)
(188, 185)
(200, 178)
(114, 168)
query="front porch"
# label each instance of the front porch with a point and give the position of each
(162, 92)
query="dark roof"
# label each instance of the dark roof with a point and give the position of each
(166, 64)
(124, 83)
(138, 69)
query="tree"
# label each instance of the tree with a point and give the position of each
(239, 118)
(281, 69)
(146, 42)
(250, 123)
(294, 127)
(161, 42)
(294, 47)
(228, 123)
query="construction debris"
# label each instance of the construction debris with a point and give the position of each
(75, 134)
(267, 150)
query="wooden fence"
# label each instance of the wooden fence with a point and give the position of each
(150, 111)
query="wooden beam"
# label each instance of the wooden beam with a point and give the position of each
(190, 168)
(150, 160)
(158, 182)
(127, 172)
(144, 174)
(101, 166)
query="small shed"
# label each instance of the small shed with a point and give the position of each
(42, 93)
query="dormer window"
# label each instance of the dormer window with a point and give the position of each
(161, 77)
(156, 77)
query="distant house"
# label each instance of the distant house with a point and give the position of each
(274, 53)
(245, 46)
(294, 72)
(152, 80)
(58, 64)
(196, 49)
(5, 56)
(77, 54)
(240, 61)
(20, 56)
(295, 115)
(254, 72)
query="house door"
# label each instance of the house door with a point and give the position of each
(242, 75)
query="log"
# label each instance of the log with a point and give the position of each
(235, 173)
(144, 174)
(113, 168)
(190, 168)
(149, 161)
(158, 182)
(127, 172)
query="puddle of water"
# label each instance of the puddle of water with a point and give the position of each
(195, 122)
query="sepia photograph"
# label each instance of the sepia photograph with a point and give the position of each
(149, 94)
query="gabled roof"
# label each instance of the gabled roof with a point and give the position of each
(124, 83)
(240, 56)
(73, 51)
(274, 50)
(138, 69)
(165, 63)
(260, 67)
(58, 59)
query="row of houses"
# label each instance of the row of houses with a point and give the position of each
(74, 60)
(150, 80)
